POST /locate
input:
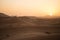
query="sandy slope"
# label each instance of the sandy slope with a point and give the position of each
(28, 34)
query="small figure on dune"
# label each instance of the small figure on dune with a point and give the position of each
(47, 32)
(8, 35)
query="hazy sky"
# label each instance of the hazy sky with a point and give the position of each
(30, 7)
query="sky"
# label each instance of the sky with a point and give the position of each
(30, 7)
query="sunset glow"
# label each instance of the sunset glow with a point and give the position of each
(51, 11)
(51, 14)
(30, 7)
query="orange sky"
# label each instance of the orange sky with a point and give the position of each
(30, 7)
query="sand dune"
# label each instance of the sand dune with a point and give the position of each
(29, 28)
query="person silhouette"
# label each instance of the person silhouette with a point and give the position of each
(47, 32)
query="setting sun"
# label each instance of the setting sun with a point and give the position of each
(52, 11)
(51, 14)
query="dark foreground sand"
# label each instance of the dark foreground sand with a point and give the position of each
(30, 33)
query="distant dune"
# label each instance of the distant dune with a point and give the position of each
(3, 15)
(24, 21)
